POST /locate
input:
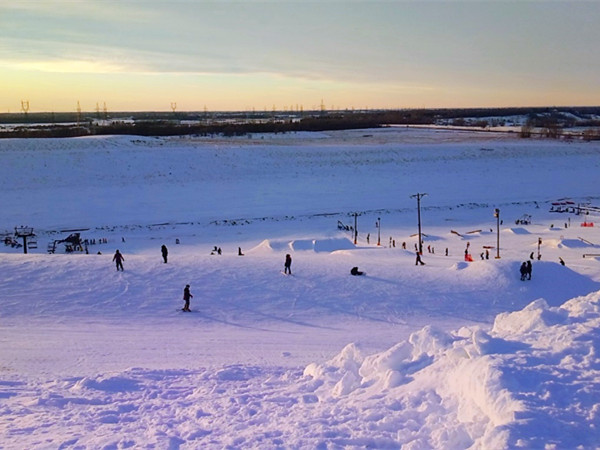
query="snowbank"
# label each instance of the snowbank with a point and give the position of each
(486, 389)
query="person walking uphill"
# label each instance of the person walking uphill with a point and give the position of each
(418, 260)
(287, 267)
(165, 253)
(187, 296)
(118, 259)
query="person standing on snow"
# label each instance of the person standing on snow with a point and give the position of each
(287, 267)
(523, 271)
(165, 252)
(529, 269)
(187, 296)
(118, 259)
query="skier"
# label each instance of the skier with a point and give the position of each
(523, 271)
(529, 269)
(418, 261)
(287, 267)
(165, 253)
(186, 296)
(118, 258)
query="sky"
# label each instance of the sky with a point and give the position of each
(192, 55)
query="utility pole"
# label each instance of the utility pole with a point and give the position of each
(418, 196)
(25, 108)
(78, 113)
(497, 216)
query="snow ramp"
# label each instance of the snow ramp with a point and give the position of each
(316, 245)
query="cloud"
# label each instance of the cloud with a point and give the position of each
(64, 66)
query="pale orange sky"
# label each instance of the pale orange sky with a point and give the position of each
(228, 55)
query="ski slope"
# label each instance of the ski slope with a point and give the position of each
(452, 354)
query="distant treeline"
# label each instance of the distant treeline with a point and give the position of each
(39, 125)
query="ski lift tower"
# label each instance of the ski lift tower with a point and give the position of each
(24, 233)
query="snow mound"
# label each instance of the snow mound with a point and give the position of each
(575, 243)
(517, 230)
(270, 245)
(529, 361)
(316, 245)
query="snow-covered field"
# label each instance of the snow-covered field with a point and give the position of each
(449, 355)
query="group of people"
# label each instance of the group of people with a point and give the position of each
(525, 270)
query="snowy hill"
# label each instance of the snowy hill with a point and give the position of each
(452, 354)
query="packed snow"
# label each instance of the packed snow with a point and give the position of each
(453, 354)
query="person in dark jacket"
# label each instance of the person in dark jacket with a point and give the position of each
(165, 253)
(287, 267)
(118, 259)
(523, 271)
(186, 297)
(355, 271)
(529, 269)
(419, 261)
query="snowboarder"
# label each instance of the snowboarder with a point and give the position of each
(187, 296)
(562, 262)
(531, 255)
(287, 267)
(165, 253)
(529, 269)
(355, 271)
(523, 271)
(419, 261)
(118, 259)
